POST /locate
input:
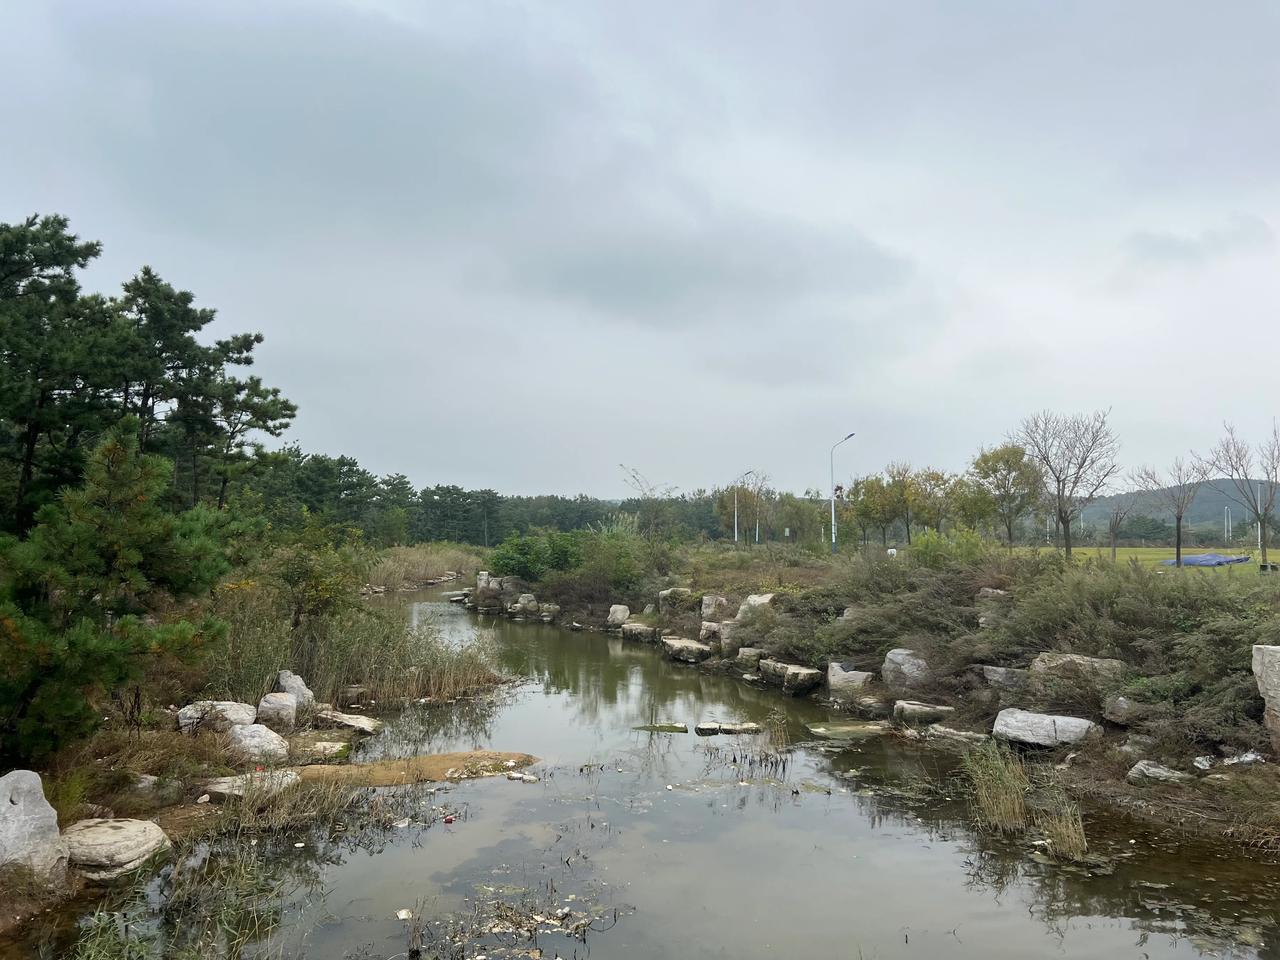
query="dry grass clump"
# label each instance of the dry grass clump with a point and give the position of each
(262, 810)
(998, 785)
(398, 567)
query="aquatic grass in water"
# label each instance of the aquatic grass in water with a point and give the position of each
(998, 786)
(1062, 826)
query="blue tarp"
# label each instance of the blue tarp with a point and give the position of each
(1206, 560)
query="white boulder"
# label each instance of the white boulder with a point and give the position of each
(753, 602)
(1042, 729)
(214, 715)
(844, 681)
(1266, 672)
(29, 827)
(258, 743)
(618, 614)
(105, 849)
(289, 682)
(904, 668)
(713, 606)
(279, 711)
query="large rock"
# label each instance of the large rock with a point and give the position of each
(793, 678)
(1123, 711)
(688, 651)
(1042, 729)
(263, 783)
(640, 632)
(753, 602)
(1266, 671)
(750, 657)
(618, 614)
(710, 630)
(713, 606)
(1073, 666)
(673, 598)
(729, 645)
(258, 743)
(904, 668)
(1005, 679)
(843, 681)
(348, 721)
(915, 712)
(991, 593)
(289, 682)
(29, 827)
(1146, 771)
(526, 605)
(279, 711)
(105, 849)
(215, 715)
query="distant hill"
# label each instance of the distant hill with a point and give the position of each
(1207, 508)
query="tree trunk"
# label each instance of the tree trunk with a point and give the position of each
(1262, 525)
(25, 514)
(1177, 540)
(1114, 531)
(907, 521)
(1066, 538)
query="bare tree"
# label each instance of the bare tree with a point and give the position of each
(1174, 490)
(1121, 506)
(1254, 472)
(1077, 455)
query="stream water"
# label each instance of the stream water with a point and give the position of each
(679, 847)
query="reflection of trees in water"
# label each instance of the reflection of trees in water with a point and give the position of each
(1056, 894)
(437, 728)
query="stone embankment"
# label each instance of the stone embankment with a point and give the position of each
(889, 698)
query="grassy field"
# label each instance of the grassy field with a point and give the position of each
(1150, 556)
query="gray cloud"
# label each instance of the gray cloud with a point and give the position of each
(692, 238)
(1242, 234)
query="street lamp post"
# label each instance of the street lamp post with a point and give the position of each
(833, 491)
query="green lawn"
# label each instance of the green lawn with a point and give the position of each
(1150, 556)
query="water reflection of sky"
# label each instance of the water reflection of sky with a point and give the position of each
(714, 869)
(702, 864)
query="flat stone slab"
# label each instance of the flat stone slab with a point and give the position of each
(264, 783)
(1042, 729)
(941, 732)
(687, 651)
(639, 632)
(1147, 771)
(847, 729)
(106, 849)
(913, 711)
(348, 721)
(663, 728)
(1077, 666)
(794, 678)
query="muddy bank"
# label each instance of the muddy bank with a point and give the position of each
(434, 768)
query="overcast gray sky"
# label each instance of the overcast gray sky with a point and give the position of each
(514, 245)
